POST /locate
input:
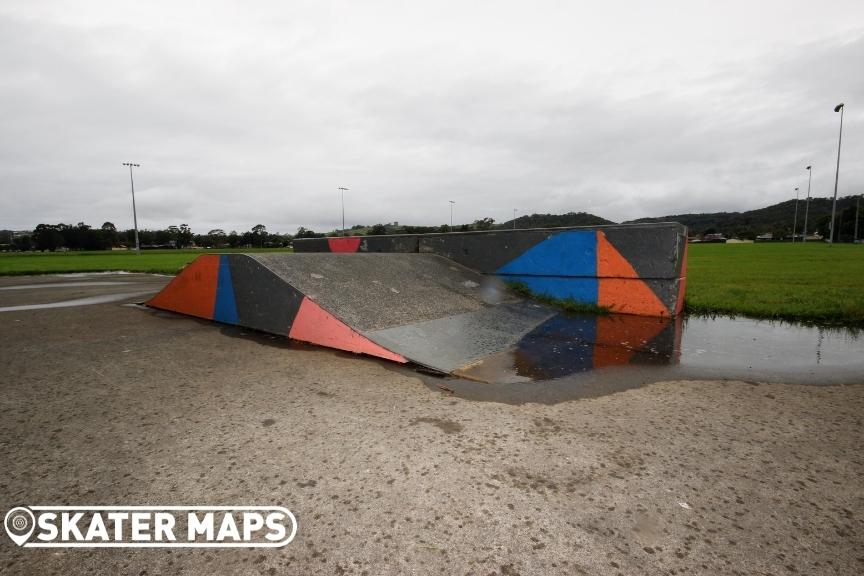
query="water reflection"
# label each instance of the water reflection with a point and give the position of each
(566, 346)
(771, 346)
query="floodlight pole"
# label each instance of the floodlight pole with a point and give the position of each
(451, 213)
(857, 210)
(343, 189)
(134, 211)
(807, 204)
(514, 218)
(795, 221)
(839, 108)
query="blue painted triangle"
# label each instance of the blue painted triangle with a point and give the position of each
(226, 307)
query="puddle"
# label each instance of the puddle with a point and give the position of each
(564, 345)
(766, 346)
(579, 356)
(567, 357)
(108, 273)
(63, 285)
(106, 298)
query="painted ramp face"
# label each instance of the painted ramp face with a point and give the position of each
(416, 308)
(237, 289)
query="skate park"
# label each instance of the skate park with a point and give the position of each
(390, 465)
(442, 301)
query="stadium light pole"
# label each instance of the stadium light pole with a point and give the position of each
(514, 218)
(134, 211)
(795, 221)
(343, 189)
(857, 210)
(838, 108)
(807, 204)
(451, 213)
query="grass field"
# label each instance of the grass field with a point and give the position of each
(809, 282)
(151, 261)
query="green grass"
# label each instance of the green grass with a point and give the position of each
(151, 261)
(568, 305)
(809, 282)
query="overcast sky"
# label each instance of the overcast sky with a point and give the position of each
(256, 112)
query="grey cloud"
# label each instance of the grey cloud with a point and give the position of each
(244, 132)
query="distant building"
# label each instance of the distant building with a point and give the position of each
(714, 238)
(766, 237)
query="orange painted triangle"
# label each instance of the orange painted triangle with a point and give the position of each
(610, 262)
(620, 288)
(193, 290)
(315, 325)
(618, 338)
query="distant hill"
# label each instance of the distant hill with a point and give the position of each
(555, 221)
(776, 219)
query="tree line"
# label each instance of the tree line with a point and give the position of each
(778, 219)
(51, 237)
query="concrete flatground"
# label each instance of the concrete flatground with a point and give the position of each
(111, 404)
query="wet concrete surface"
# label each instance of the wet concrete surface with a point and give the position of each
(73, 290)
(113, 404)
(446, 344)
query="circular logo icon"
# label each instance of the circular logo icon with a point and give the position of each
(19, 524)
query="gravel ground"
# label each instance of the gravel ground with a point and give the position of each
(111, 404)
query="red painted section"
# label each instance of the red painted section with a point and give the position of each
(349, 244)
(315, 325)
(618, 338)
(682, 286)
(619, 287)
(193, 290)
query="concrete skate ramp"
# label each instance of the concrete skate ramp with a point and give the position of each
(419, 308)
(632, 269)
(349, 302)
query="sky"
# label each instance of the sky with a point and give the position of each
(256, 113)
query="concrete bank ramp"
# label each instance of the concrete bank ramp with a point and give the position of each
(393, 306)
(404, 307)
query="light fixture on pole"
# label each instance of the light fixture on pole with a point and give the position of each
(343, 189)
(838, 108)
(807, 204)
(451, 212)
(134, 211)
(795, 221)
